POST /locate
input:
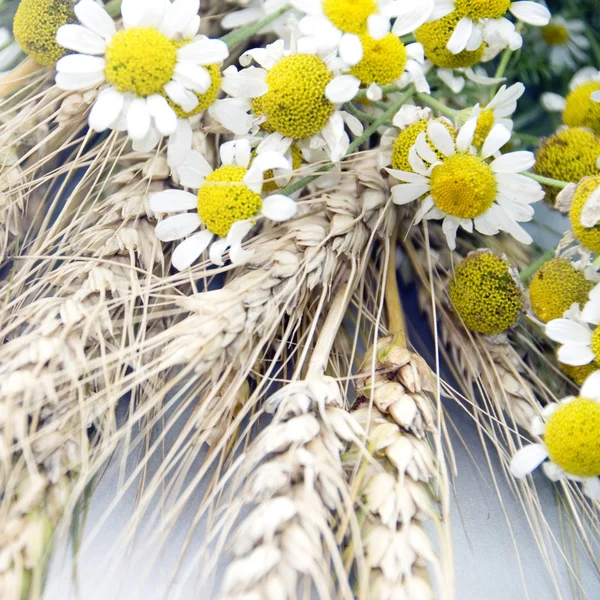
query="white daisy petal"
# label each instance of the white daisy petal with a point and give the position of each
(239, 18)
(231, 116)
(194, 170)
(106, 109)
(138, 119)
(178, 16)
(441, 138)
(217, 249)
(180, 143)
(591, 488)
(409, 15)
(143, 13)
(188, 251)
(271, 160)
(78, 81)
(95, 18)
(575, 355)
(351, 49)
(170, 201)
(147, 143)
(450, 227)
(552, 471)
(441, 9)
(527, 459)
(80, 39)
(513, 162)
(424, 208)
(591, 387)
(408, 192)
(537, 426)
(192, 76)
(162, 113)
(553, 102)
(278, 207)
(475, 40)
(177, 227)
(424, 149)
(497, 138)
(181, 96)
(531, 12)
(238, 231)
(407, 176)
(460, 36)
(378, 26)
(248, 83)
(204, 52)
(565, 331)
(81, 63)
(342, 88)
(591, 312)
(465, 136)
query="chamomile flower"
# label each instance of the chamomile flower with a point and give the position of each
(567, 42)
(463, 188)
(302, 99)
(584, 212)
(578, 332)
(569, 445)
(228, 204)
(148, 67)
(481, 20)
(349, 26)
(581, 108)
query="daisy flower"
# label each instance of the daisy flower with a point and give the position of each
(578, 332)
(580, 108)
(484, 21)
(228, 204)
(567, 42)
(148, 66)
(462, 187)
(346, 26)
(302, 98)
(569, 445)
(456, 82)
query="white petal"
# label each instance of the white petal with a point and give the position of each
(441, 138)
(460, 36)
(408, 192)
(527, 459)
(496, 138)
(513, 162)
(78, 81)
(138, 119)
(537, 426)
(239, 18)
(342, 88)
(80, 39)
(271, 160)
(410, 15)
(194, 170)
(180, 143)
(181, 96)
(179, 15)
(81, 63)
(204, 52)
(162, 113)
(188, 251)
(531, 12)
(143, 13)
(553, 102)
(279, 208)
(449, 227)
(424, 149)
(374, 93)
(565, 331)
(591, 387)
(106, 110)
(476, 39)
(95, 18)
(591, 312)
(231, 116)
(378, 26)
(217, 249)
(552, 471)
(408, 177)
(193, 77)
(238, 231)
(591, 488)
(177, 227)
(170, 201)
(351, 49)
(465, 136)
(248, 83)
(575, 355)
(147, 143)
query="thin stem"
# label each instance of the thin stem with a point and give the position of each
(503, 64)
(529, 272)
(393, 302)
(359, 114)
(113, 8)
(532, 140)
(547, 180)
(386, 89)
(243, 33)
(445, 110)
(369, 131)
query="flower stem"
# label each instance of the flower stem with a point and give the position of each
(243, 33)
(369, 131)
(547, 180)
(393, 302)
(113, 8)
(445, 110)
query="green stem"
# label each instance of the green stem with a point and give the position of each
(501, 70)
(531, 140)
(547, 180)
(369, 131)
(359, 114)
(531, 270)
(386, 89)
(243, 33)
(113, 8)
(445, 110)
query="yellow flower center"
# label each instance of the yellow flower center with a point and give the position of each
(35, 25)
(555, 287)
(349, 15)
(569, 155)
(581, 110)
(295, 103)
(588, 236)
(435, 35)
(578, 374)
(573, 437)
(484, 126)
(484, 293)
(596, 344)
(224, 199)
(383, 60)
(482, 9)
(270, 185)
(463, 186)
(204, 100)
(555, 35)
(406, 140)
(140, 60)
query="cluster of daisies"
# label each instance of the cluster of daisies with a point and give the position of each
(334, 74)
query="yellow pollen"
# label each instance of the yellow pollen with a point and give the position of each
(349, 15)
(224, 199)
(555, 287)
(270, 185)
(484, 293)
(257, 109)
(581, 110)
(484, 126)
(463, 186)
(588, 236)
(435, 35)
(596, 344)
(555, 35)
(295, 104)
(35, 25)
(572, 437)
(407, 138)
(578, 374)
(383, 60)
(482, 9)
(140, 60)
(569, 155)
